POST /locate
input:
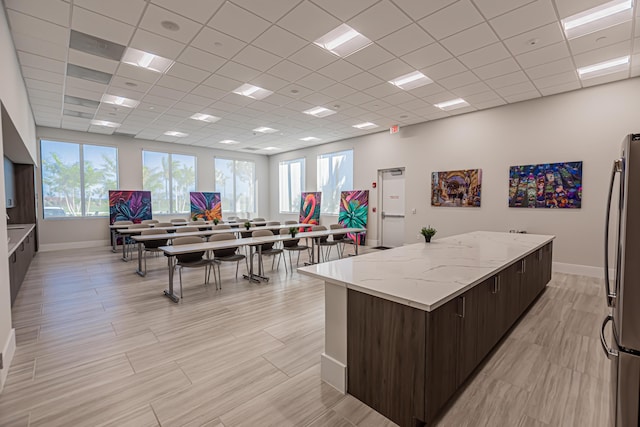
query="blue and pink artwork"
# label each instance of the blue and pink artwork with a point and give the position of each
(354, 211)
(310, 208)
(129, 206)
(205, 205)
(547, 185)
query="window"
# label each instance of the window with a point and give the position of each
(291, 185)
(170, 178)
(76, 178)
(235, 180)
(335, 174)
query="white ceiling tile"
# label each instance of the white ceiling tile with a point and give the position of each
(507, 80)
(38, 28)
(490, 104)
(557, 79)
(187, 72)
(608, 36)
(363, 81)
(400, 98)
(551, 68)
(158, 100)
(45, 76)
(524, 96)
(496, 69)
(470, 39)
(85, 84)
(153, 43)
(571, 7)
(440, 97)
(339, 70)
(92, 61)
(271, 10)
(492, 8)
(217, 43)
(200, 59)
(154, 16)
(125, 92)
(344, 10)
(37, 61)
(485, 55)
(197, 10)
(101, 26)
(233, 70)
(382, 90)
(176, 83)
(357, 98)
(452, 19)
(379, 20)
(316, 81)
(318, 98)
(82, 93)
(223, 83)
(560, 89)
(405, 40)
(297, 21)
(237, 22)
(458, 80)
(131, 72)
(391, 70)
(533, 15)
(544, 55)
(40, 47)
(602, 54)
(426, 56)
(523, 87)
(288, 70)
(45, 95)
(420, 9)
(444, 69)
(427, 90)
(369, 57)
(254, 57)
(478, 98)
(472, 89)
(194, 98)
(279, 41)
(128, 11)
(54, 11)
(535, 39)
(313, 57)
(267, 81)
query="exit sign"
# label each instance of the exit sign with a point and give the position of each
(394, 129)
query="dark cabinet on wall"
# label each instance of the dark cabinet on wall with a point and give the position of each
(9, 186)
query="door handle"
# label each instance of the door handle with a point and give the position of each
(617, 168)
(608, 351)
(464, 306)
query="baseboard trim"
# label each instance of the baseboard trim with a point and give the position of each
(8, 351)
(333, 373)
(581, 270)
(48, 247)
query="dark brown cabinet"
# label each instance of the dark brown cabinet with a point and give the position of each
(19, 262)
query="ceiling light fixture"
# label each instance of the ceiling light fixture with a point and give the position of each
(365, 126)
(453, 104)
(205, 117)
(598, 18)
(319, 112)
(270, 148)
(228, 141)
(309, 139)
(105, 123)
(604, 68)
(149, 61)
(176, 134)
(343, 41)
(120, 101)
(264, 129)
(411, 81)
(253, 92)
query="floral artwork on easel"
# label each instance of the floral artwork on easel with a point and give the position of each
(310, 208)
(354, 211)
(129, 206)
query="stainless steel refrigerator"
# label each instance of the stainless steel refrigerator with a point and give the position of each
(623, 290)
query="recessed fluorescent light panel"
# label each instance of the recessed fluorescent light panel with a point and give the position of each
(205, 117)
(604, 68)
(253, 92)
(176, 134)
(264, 129)
(228, 141)
(319, 112)
(105, 123)
(365, 126)
(343, 41)
(146, 60)
(270, 148)
(120, 101)
(309, 139)
(411, 81)
(597, 18)
(453, 104)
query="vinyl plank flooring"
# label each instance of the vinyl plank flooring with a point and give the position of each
(139, 417)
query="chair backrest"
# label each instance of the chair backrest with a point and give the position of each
(241, 221)
(153, 244)
(222, 253)
(273, 223)
(200, 219)
(288, 243)
(290, 222)
(123, 223)
(186, 229)
(337, 227)
(222, 227)
(321, 228)
(139, 226)
(195, 223)
(264, 233)
(163, 224)
(258, 220)
(149, 221)
(188, 240)
(174, 220)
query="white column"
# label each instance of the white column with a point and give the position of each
(333, 363)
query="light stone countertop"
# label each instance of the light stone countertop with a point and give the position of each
(427, 275)
(16, 234)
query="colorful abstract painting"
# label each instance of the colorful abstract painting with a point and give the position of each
(205, 205)
(460, 188)
(354, 210)
(310, 208)
(548, 185)
(129, 206)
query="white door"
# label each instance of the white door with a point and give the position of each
(392, 209)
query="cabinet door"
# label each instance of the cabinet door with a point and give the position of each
(546, 263)
(469, 332)
(13, 276)
(529, 279)
(509, 309)
(488, 329)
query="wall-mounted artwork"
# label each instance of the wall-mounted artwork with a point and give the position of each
(310, 208)
(129, 206)
(205, 205)
(460, 188)
(548, 185)
(354, 210)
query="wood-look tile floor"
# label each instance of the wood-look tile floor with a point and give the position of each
(100, 346)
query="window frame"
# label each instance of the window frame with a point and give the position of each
(330, 156)
(172, 210)
(234, 176)
(288, 163)
(83, 201)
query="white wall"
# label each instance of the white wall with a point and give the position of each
(78, 232)
(586, 125)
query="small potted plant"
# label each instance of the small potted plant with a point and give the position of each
(428, 233)
(247, 225)
(293, 231)
(215, 221)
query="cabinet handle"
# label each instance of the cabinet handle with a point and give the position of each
(495, 284)
(523, 268)
(464, 306)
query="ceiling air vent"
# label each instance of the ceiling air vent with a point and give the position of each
(88, 74)
(251, 148)
(124, 134)
(74, 100)
(95, 46)
(80, 114)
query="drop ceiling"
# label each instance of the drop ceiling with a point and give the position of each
(489, 52)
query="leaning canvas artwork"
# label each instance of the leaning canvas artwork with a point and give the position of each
(354, 210)
(205, 205)
(459, 188)
(547, 185)
(129, 206)
(310, 208)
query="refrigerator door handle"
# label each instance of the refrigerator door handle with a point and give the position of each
(608, 351)
(617, 167)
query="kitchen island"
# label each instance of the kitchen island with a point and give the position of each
(404, 328)
(22, 246)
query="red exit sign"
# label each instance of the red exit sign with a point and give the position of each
(394, 129)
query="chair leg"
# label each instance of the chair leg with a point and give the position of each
(180, 275)
(237, 267)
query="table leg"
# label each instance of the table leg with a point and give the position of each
(252, 277)
(357, 242)
(169, 292)
(140, 271)
(124, 248)
(312, 261)
(114, 240)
